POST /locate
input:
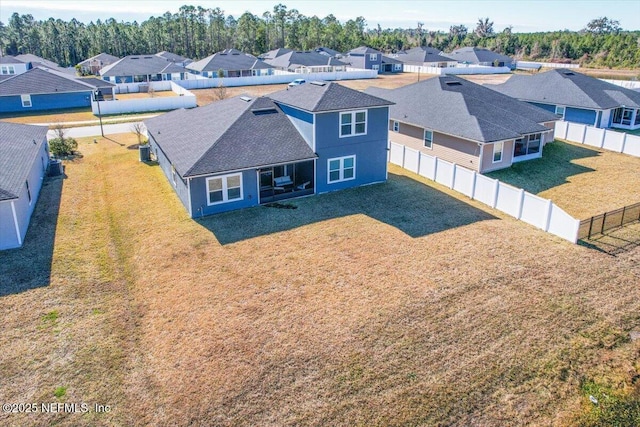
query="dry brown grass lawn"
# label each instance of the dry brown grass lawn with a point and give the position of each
(582, 180)
(393, 304)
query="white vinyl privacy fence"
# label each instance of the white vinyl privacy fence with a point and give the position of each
(182, 99)
(202, 83)
(606, 139)
(524, 206)
(459, 69)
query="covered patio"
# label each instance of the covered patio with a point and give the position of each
(286, 181)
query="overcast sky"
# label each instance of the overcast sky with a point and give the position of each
(523, 15)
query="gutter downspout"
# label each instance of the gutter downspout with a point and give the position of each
(15, 223)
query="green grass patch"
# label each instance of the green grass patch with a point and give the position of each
(60, 392)
(610, 407)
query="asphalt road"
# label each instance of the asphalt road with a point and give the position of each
(83, 131)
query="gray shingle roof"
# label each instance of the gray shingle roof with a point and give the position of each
(389, 60)
(17, 154)
(228, 135)
(172, 57)
(229, 59)
(102, 58)
(565, 87)
(327, 51)
(274, 53)
(295, 59)
(326, 96)
(40, 80)
(363, 50)
(475, 55)
(36, 60)
(96, 83)
(420, 55)
(8, 59)
(464, 109)
(138, 65)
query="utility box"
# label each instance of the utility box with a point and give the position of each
(55, 167)
(145, 153)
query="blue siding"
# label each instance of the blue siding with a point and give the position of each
(302, 120)
(370, 149)
(199, 195)
(24, 209)
(548, 107)
(578, 115)
(180, 187)
(53, 101)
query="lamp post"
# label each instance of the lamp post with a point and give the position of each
(98, 95)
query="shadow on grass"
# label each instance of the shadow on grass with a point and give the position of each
(29, 267)
(408, 205)
(552, 170)
(615, 241)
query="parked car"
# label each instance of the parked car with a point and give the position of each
(297, 82)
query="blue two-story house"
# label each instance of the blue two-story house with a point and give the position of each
(365, 57)
(243, 152)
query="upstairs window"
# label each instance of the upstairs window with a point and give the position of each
(373, 57)
(396, 126)
(353, 123)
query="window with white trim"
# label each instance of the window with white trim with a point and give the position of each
(560, 111)
(428, 138)
(173, 176)
(375, 67)
(397, 67)
(223, 189)
(396, 126)
(498, 147)
(26, 100)
(353, 123)
(373, 57)
(341, 169)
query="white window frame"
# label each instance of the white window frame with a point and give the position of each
(375, 67)
(373, 57)
(495, 151)
(341, 169)
(26, 101)
(225, 189)
(396, 126)
(12, 69)
(353, 115)
(424, 139)
(4, 69)
(397, 67)
(564, 110)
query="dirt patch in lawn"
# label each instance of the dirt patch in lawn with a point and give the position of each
(422, 309)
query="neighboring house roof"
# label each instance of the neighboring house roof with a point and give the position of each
(458, 107)
(102, 58)
(140, 65)
(42, 80)
(96, 83)
(172, 57)
(274, 53)
(5, 76)
(389, 60)
(420, 55)
(326, 96)
(36, 60)
(228, 59)
(10, 60)
(233, 134)
(475, 55)
(363, 50)
(295, 59)
(329, 52)
(19, 146)
(565, 87)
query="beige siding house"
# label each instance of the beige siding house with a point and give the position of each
(466, 124)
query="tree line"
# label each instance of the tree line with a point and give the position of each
(196, 32)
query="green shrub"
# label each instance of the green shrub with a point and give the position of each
(62, 146)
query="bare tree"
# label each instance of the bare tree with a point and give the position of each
(221, 91)
(151, 91)
(139, 130)
(59, 130)
(484, 28)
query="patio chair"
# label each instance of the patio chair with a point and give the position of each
(303, 186)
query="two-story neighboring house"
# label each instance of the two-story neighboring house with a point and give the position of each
(243, 152)
(364, 57)
(10, 66)
(466, 123)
